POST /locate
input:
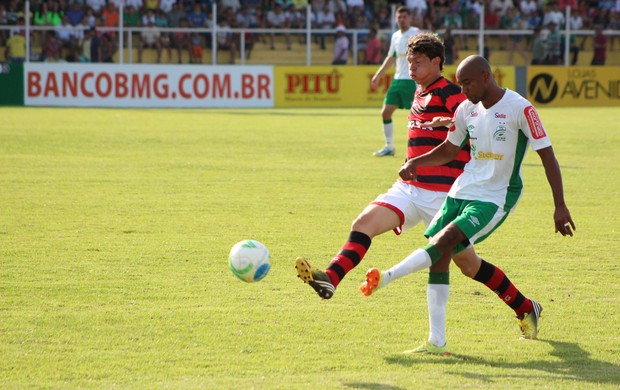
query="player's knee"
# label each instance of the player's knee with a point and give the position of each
(468, 263)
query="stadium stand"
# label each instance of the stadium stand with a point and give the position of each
(522, 17)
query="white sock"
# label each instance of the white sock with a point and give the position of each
(388, 132)
(416, 261)
(437, 299)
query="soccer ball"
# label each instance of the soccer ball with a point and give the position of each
(249, 260)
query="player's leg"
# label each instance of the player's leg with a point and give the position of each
(388, 128)
(374, 220)
(399, 95)
(389, 211)
(527, 310)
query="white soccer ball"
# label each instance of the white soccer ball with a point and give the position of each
(249, 260)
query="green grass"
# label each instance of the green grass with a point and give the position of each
(115, 227)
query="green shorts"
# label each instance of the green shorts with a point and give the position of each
(476, 219)
(400, 93)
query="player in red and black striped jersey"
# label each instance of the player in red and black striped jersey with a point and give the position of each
(438, 99)
(407, 204)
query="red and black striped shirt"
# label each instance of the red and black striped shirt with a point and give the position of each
(440, 98)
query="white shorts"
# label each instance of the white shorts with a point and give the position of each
(412, 204)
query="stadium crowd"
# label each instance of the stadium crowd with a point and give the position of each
(75, 35)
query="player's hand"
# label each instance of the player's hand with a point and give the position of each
(374, 81)
(439, 121)
(407, 171)
(563, 222)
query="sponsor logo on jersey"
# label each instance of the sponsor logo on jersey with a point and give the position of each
(500, 133)
(481, 155)
(417, 124)
(474, 114)
(500, 116)
(536, 127)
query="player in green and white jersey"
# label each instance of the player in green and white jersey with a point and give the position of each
(401, 91)
(500, 125)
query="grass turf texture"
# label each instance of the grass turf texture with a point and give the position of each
(115, 227)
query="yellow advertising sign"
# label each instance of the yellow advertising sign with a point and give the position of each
(322, 86)
(347, 86)
(558, 86)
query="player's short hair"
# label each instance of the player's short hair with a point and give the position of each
(429, 44)
(402, 10)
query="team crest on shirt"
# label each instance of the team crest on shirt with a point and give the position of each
(500, 133)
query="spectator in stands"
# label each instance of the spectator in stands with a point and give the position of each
(554, 49)
(277, 19)
(136, 4)
(553, 15)
(75, 13)
(491, 18)
(91, 47)
(245, 19)
(384, 19)
(450, 47)
(341, 46)
(528, 6)
(295, 20)
(151, 4)
(149, 18)
(453, 21)
(614, 24)
(501, 6)
(374, 52)
(108, 48)
(90, 16)
(54, 15)
(96, 5)
(175, 16)
(150, 39)
(600, 46)
(325, 20)
(225, 39)
(16, 45)
(65, 34)
(197, 18)
(349, 5)
(167, 6)
(539, 47)
(472, 20)
(50, 52)
(197, 45)
(110, 18)
(131, 17)
(420, 5)
(181, 40)
(514, 21)
(233, 4)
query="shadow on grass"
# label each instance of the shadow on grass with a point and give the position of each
(372, 386)
(575, 364)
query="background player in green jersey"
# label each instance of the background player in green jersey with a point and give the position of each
(402, 88)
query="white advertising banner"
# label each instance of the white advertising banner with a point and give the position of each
(115, 85)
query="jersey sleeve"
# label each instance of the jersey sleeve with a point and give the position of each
(392, 52)
(458, 132)
(532, 127)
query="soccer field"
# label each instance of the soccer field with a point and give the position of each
(115, 227)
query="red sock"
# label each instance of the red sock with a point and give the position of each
(495, 279)
(349, 257)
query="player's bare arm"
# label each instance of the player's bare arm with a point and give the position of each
(442, 154)
(439, 121)
(387, 63)
(563, 221)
